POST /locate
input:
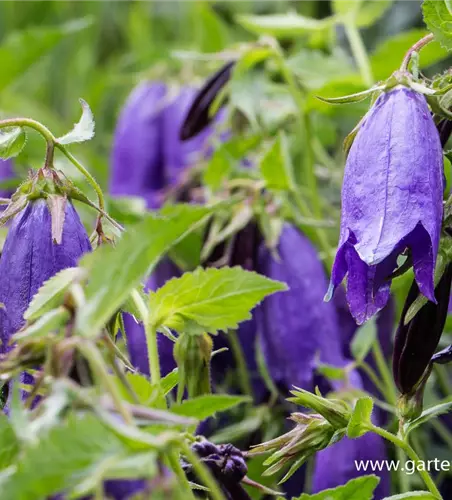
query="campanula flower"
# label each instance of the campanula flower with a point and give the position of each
(391, 200)
(137, 159)
(30, 257)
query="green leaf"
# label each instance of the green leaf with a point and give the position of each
(214, 299)
(361, 488)
(363, 340)
(9, 445)
(205, 406)
(276, 165)
(22, 49)
(284, 25)
(211, 32)
(362, 13)
(124, 266)
(427, 415)
(52, 292)
(387, 56)
(83, 130)
(438, 19)
(47, 323)
(360, 419)
(218, 169)
(12, 141)
(413, 495)
(65, 456)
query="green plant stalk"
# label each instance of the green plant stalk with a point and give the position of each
(242, 369)
(174, 463)
(404, 481)
(203, 473)
(390, 390)
(359, 53)
(403, 445)
(96, 362)
(151, 337)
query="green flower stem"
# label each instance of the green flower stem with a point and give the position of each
(242, 369)
(415, 48)
(174, 463)
(390, 390)
(28, 122)
(203, 473)
(151, 337)
(96, 362)
(403, 445)
(404, 481)
(359, 53)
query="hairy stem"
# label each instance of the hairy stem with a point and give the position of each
(415, 48)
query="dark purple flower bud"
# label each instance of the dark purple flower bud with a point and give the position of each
(137, 160)
(198, 116)
(297, 326)
(180, 155)
(391, 200)
(336, 464)
(415, 342)
(30, 257)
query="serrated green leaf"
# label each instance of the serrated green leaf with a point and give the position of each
(276, 165)
(22, 49)
(206, 406)
(387, 56)
(114, 272)
(52, 292)
(360, 419)
(428, 414)
(361, 488)
(413, 495)
(12, 141)
(83, 130)
(284, 25)
(215, 299)
(438, 19)
(47, 323)
(9, 445)
(363, 340)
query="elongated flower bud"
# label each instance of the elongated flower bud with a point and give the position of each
(391, 200)
(198, 116)
(416, 341)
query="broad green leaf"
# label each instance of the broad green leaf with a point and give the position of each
(284, 25)
(83, 130)
(9, 445)
(202, 407)
(438, 19)
(361, 488)
(315, 68)
(211, 33)
(49, 322)
(52, 292)
(218, 169)
(388, 55)
(64, 457)
(363, 340)
(276, 165)
(22, 49)
(413, 495)
(12, 141)
(360, 419)
(114, 272)
(362, 13)
(214, 299)
(428, 414)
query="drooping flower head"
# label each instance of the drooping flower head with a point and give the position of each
(391, 200)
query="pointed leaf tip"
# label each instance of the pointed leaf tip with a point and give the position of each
(83, 130)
